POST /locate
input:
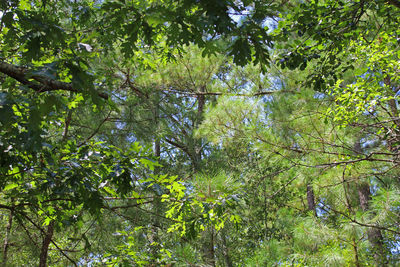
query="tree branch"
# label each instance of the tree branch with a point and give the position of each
(395, 3)
(196, 94)
(96, 130)
(42, 84)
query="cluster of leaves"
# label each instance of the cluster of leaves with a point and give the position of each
(376, 80)
(256, 166)
(195, 211)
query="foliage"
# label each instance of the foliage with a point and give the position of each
(199, 133)
(379, 65)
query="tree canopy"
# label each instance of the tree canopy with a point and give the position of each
(199, 133)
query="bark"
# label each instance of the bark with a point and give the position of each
(200, 107)
(356, 259)
(374, 234)
(45, 245)
(157, 148)
(197, 143)
(6, 243)
(228, 260)
(211, 248)
(311, 199)
(350, 209)
(36, 82)
(208, 252)
(67, 123)
(154, 236)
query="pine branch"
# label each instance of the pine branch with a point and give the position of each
(226, 94)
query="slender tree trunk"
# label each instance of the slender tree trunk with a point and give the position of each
(157, 149)
(374, 234)
(351, 211)
(6, 238)
(45, 245)
(201, 100)
(212, 250)
(209, 247)
(154, 237)
(197, 143)
(355, 248)
(311, 199)
(228, 260)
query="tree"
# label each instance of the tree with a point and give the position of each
(275, 122)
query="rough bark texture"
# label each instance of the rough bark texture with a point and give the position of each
(374, 234)
(311, 199)
(200, 107)
(45, 245)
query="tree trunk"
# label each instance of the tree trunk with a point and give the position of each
(374, 234)
(311, 199)
(226, 250)
(211, 251)
(45, 245)
(355, 248)
(154, 237)
(6, 238)
(208, 247)
(197, 143)
(201, 100)
(350, 210)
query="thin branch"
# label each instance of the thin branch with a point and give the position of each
(6, 207)
(96, 130)
(127, 198)
(227, 94)
(282, 187)
(357, 222)
(128, 206)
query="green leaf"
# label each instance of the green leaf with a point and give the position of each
(48, 105)
(8, 19)
(360, 71)
(47, 221)
(10, 187)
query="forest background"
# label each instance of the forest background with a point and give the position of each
(199, 133)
